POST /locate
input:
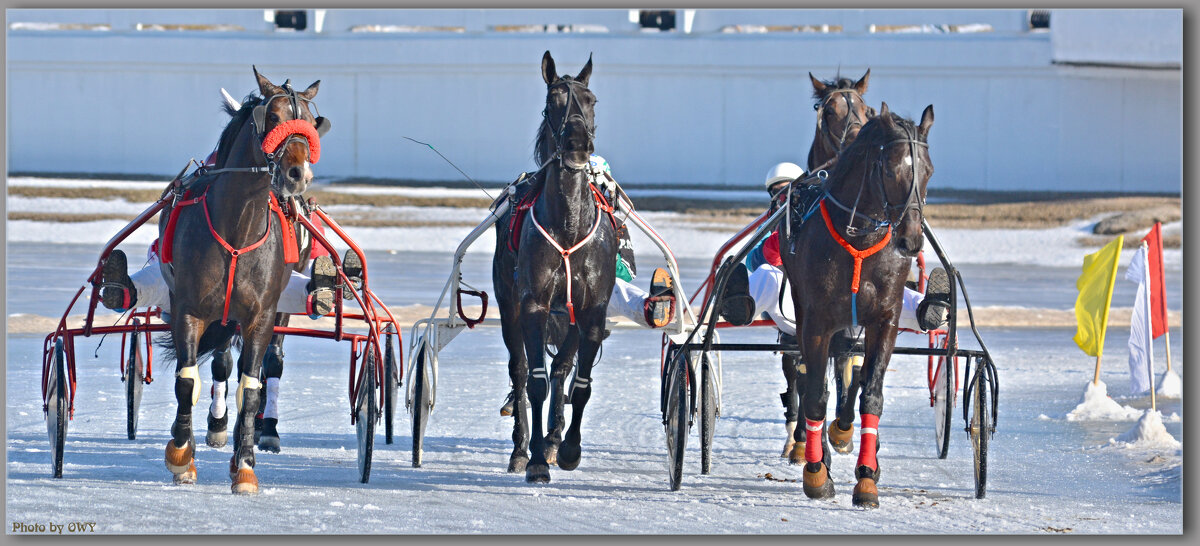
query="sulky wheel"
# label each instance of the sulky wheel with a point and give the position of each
(421, 398)
(57, 397)
(135, 373)
(367, 412)
(391, 384)
(675, 418)
(943, 403)
(708, 413)
(980, 428)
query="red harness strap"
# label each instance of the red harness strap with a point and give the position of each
(857, 254)
(601, 206)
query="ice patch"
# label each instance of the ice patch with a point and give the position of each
(1097, 406)
(1170, 386)
(1149, 433)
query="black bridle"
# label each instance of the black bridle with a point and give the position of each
(875, 174)
(559, 133)
(856, 120)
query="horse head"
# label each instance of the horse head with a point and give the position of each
(299, 146)
(904, 169)
(841, 113)
(569, 125)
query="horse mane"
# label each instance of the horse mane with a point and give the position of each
(239, 117)
(830, 85)
(872, 135)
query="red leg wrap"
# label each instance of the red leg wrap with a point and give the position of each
(867, 445)
(813, 448)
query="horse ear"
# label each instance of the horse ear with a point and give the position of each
(311, 92)
(885, 114)
(861, 85)
(926, 122)
(586, 72)
(264, 85)
(817, 85)
(548, 72)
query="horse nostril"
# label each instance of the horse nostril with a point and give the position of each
(294, 174)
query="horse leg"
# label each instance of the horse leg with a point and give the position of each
(590, 335)
(848, 377)
(879, 344)
(180, 454)
(533, 325)
(518, 370)
(256, 335)
(218, 412)
(817, 484)
(793, 375)
(268, 440)
(560, 368)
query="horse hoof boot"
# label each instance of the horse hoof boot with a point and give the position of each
(218, 434)
(796, 457)
(507, 409)
(841, 440)
(791, 439)
(551, 455)
(865, 493)
(568, 456)
(817, 484)
(517, 463)
(269, 439)
(181, 461)
(245, 482)
(537, 473)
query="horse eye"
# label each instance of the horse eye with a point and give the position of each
(817, 106)
(273, 117)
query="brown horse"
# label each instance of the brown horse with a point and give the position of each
(228, 265)
(841, 113)
(847, 266)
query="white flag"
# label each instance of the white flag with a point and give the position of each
(1141, 350)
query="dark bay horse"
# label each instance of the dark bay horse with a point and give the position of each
(847, 264)
(562, 272)
(228, 266)
(841, 113)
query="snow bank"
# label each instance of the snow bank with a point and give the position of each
(1149, 433)
(1171, 386)
(1097, 406)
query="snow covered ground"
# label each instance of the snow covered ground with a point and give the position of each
(1048, 473)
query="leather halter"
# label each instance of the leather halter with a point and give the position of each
(848, 96)
(560, 132)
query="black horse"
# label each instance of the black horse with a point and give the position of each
(228, 266)
(562, 271)
(847, 265)
(841, 113)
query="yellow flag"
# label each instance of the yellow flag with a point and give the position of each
(1095, 286)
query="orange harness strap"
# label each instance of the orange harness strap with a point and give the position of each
(858, 255)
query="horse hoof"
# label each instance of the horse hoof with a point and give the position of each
(551, 455)
(865, 493)
(537, 473)
(841, 440)
(187, 477)
(796, 457)
(181, 460)
(216, 438)
(269, 443)
(517, 463)
(817, 484)
(568, 456)
(245, 482)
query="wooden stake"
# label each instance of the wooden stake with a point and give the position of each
(1096, 379)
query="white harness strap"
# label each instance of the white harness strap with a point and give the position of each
(566, 254)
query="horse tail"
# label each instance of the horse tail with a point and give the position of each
(215, 337)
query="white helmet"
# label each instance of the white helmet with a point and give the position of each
(783, 172)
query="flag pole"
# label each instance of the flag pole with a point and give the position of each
(1096, 378)
(1149, 326)
(1168, 335)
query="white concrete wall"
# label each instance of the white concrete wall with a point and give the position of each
(1152, 37)
(701, 108)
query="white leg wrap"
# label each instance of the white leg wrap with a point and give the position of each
(272, 409)
(218, 399)
(814, 428)
(191, 373)
(246, 382)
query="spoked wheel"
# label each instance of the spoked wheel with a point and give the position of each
(943, 404)
(56, 408)
(421, 395)
(980, 428)
(135, 373)
(708, 412)
(676, 418)
(367, 412)
(391, 384)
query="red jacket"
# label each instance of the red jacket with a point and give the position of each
(771, 250)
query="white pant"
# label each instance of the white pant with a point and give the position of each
(764, 288)
(152, 290)
(628, 301)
